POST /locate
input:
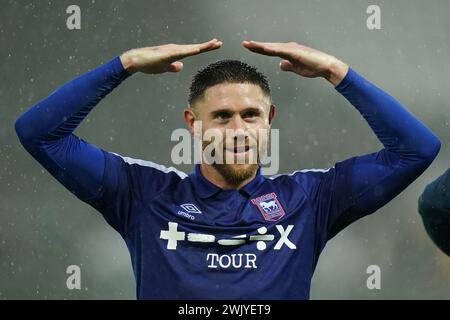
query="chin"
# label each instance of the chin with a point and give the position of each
(235, 174)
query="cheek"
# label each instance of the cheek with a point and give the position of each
(260, 129)
(213, 134)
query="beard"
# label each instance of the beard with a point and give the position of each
(235, 174)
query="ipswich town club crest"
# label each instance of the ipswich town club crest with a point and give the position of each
(269, 206)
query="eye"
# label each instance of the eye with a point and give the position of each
(222, 116)
(251, 114)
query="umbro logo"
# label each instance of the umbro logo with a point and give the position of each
(189, 211)
(190, 208)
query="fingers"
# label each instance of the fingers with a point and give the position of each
(176, 66)
(258, 47)
(269, 48)
(210, 45)
(286, 65)
(188, 50)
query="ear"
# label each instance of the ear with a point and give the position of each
(189, 118)
(271, 113)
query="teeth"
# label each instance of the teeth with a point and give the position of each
(239, 149)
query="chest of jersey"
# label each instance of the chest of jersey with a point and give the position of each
(257, 243)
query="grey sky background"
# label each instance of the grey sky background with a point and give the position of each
(44, 228)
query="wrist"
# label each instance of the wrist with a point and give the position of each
(337, 72)
(128, 61)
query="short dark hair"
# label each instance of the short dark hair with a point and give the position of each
(231, 71)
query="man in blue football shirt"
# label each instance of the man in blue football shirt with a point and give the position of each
(225, 231)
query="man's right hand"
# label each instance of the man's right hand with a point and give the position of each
(160, 59)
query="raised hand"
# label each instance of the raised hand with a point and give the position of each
(305, 61)
(164, 58)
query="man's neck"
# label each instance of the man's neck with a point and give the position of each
(212, 175)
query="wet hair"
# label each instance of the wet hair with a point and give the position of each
(230, 71)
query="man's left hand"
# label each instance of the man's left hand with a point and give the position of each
(302, 60)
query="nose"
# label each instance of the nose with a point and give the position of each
(237, 130)
(238, 124)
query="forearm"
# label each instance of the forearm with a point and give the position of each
(46, 130)
(397, 129)
(409, 147)
(59, 114)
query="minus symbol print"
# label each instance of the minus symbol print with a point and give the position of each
(199, 237)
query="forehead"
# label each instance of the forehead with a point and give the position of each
(234, 95)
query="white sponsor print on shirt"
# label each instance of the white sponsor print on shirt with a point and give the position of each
(240, 260)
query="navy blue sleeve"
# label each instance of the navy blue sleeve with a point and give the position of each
(360, 185)
(109, 182)
(434, 207)
(46, 129)
(46, 132)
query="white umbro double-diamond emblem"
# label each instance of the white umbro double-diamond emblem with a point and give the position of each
(190, 208)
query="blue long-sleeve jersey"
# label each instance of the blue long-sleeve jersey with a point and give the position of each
(187, 238)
